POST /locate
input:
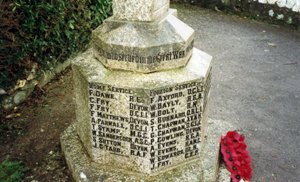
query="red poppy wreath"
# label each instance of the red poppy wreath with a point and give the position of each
(236, 156)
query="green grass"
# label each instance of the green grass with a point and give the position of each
(11, 171)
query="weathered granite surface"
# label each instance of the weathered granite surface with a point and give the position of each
(205, 170)
(145, 123)
(141, 10)
(144, 47)
(142, 93)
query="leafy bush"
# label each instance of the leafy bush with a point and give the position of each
(44, 32)
(11, 171)
(10, 65)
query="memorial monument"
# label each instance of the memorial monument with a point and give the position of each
(142, 94)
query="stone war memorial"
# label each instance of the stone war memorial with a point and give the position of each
(142, 97)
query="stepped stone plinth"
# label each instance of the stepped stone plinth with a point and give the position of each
(142, 95)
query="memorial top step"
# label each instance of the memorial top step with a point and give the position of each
(140, 10)
(144, 47)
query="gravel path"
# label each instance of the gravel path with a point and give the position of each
(256, 86)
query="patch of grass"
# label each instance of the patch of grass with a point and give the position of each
(11, 171)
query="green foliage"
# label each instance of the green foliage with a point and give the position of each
(11, 171)
(44, 32)
(9, 44)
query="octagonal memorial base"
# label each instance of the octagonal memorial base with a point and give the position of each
(204, 169)
(146, 123)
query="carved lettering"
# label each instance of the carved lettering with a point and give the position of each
(162, 125)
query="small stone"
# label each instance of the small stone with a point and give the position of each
(8, 102)
(290, 20)
(281, 3)
(263, 1)
(42, 130)
(20, 84)
(272, 1)
(2, 91)
(9, 116)
(20, 97)
(290, 3)
(83, 176)
(280, 17)
(296, 7)
(272, 44)
(271, 13)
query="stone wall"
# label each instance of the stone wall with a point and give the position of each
(274, 11)
(293, 5)
(38, 78)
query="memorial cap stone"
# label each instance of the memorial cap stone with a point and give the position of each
(140, 10)
(144, 47)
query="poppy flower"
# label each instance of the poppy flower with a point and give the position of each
(236, 156)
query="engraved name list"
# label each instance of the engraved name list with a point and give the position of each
(163, 125)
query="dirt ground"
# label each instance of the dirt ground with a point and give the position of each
(31, 134)
(256, 86)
